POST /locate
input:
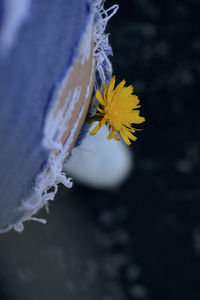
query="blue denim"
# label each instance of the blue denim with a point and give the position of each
(44, 48)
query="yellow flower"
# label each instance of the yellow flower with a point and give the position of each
(118, 110)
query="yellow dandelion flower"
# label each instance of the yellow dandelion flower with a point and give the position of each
(118, 110)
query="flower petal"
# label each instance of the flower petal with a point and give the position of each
(134, 117)
(129, 134)
(119, 87)
(100, 110)
(96, 129)
(110, 89)
(100, 98)
(105, 93)
(125, 138)
(112, 134)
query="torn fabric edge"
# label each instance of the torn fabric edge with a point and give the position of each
(102, 51)
(47, 181)
(102, 48)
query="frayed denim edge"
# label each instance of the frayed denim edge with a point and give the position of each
(102, 50)
(47, 182)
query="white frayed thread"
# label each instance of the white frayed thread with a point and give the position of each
(20, 226)
(47, 182)
(101, 44)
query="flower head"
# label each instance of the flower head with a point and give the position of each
(118, 110)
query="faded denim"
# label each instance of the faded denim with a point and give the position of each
(45, 46)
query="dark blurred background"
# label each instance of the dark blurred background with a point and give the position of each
(141, 241)
(157, 47)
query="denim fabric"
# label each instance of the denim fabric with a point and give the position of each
(45, 46)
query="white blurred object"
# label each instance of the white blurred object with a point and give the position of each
(100, 163)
